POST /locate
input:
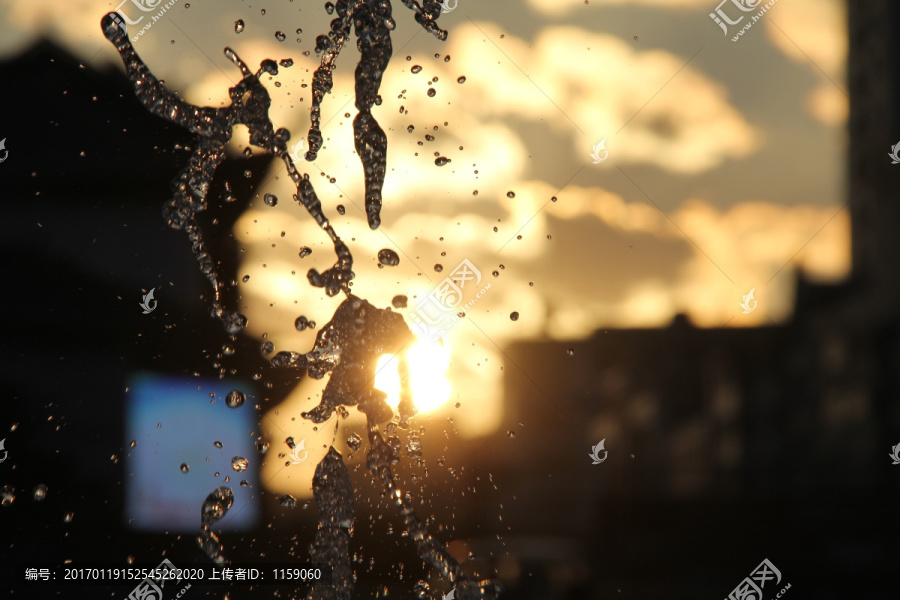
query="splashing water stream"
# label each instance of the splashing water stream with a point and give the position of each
(350, 345)
(214, 508)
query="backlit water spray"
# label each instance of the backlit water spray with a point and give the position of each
(349, 346)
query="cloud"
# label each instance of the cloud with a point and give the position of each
(813, 33)
(561, 8)
(650, 106)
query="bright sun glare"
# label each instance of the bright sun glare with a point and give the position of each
(428, 365)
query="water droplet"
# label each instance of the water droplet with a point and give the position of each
(132, 443)
(510, 194)
(40, 492)
(267, 347)
(271, 199)
(235, 323)
(431, 92)
(416, 68)
(553, 199)
(185, 468)
(495, 273)
(244, 483)
(438, 268)
(399, 301)
(301, 323)
(279, 35)
(245, 278)
(410, 128)
(286, 62)
(234, 399)
(570, 351)
(217, 444)
(447, 58)
(239, 26)
(441, 161)
(388, 257)
(354, 441)
(216, 505)
(7, 495)
(305, 251)
(341, 210)
(461, 79)
(511, 434)
(239, 463)
(514, 316)
(288, 501)
(68, 517)
(414, 446)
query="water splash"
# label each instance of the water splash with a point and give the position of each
(249, 106)
(349, 346)
(214, 508)
(333, 492)
(374, 23)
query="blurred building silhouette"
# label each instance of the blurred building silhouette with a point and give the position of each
(737, 444)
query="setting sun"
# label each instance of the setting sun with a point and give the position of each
(428, 365)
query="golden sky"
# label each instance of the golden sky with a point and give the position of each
(725, 168)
